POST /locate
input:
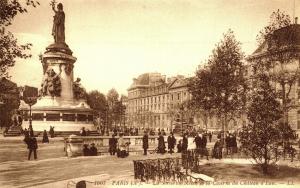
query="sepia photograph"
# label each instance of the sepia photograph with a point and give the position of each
(149, 93)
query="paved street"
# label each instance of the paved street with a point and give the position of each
(52, 167)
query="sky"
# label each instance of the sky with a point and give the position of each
(115, 41)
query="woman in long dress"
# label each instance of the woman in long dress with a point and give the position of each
(161, 144)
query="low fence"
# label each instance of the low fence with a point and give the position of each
(185, 169)
(167, 170)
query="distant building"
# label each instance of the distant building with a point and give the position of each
(151, 98)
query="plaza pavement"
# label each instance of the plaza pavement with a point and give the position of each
(54, 169)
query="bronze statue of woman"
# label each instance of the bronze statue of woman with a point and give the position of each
(58, 30)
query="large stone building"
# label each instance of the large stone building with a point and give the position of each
(155, 101)
(152, 100)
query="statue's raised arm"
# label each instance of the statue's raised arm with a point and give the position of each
(58, 30)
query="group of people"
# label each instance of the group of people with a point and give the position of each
(118, 146)
(89, 151)
(171, 141)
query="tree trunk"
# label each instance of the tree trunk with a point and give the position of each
(265, 164)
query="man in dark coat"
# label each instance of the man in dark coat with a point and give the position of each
(161, 144)
(113, 145)
(32, 147)
(86, 151)
(171, 143)
(217, 150)
(203, 149)
(179, 147)
(198, 141)
(145, 143)
(184, 143)
(51, 132)
(93, 150)
(45, 137)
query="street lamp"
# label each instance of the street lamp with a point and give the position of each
(30, 101)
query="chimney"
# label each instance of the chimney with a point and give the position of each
(296, 20)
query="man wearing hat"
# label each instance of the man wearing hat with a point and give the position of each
(113, 145)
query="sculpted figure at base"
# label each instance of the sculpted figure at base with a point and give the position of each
(79, 91)
(51, 84)
(58, 30)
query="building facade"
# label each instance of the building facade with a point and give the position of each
(152, 99)
(155, 101)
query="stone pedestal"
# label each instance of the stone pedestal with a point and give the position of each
(63, 111)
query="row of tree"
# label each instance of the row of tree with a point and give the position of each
(225, 88)
(110, 109)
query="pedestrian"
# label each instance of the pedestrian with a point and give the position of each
(93, 150)
(184, 143)
(198, 141)
(86, 150)
(51, 132)
(145, 143)
(112, 145)
(45, 137)
(161, 144)
(179, 147)
(209, 136)
(32, 147)
(227, 143)
(203, 150)
(217, 150)
(121, 152)
(171, 143)
(83, 132)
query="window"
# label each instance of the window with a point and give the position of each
(38, 116)
(81, 117)
(68, 117)
(90, 118)
(52, 117)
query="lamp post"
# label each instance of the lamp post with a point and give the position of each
(30, 101)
